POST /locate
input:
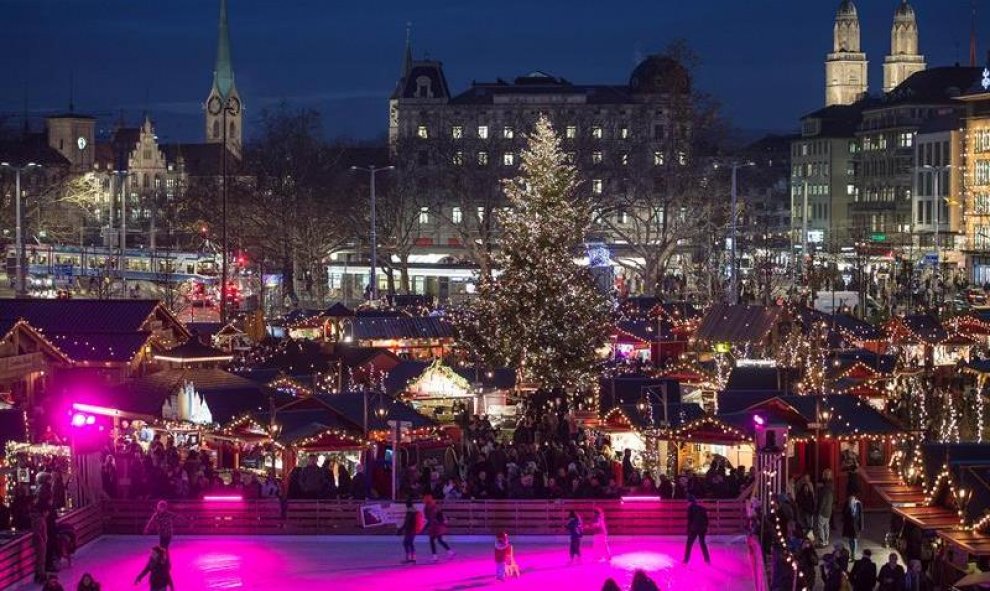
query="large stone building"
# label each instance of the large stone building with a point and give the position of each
(454, 147)
(846, 66)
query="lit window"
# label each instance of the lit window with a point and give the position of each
(508, 159)
(622, 217)
(623, 132)
(658, 159)
(482, 158)
(424, 215)
(596, 157)
(570, 132)
(457, 132)
(681, 158)
(905, 140)
(458, 158)
(455, 215)
(596, 132)
(508, 133)
(483, 132)
(624, 159)
(422, 132)
(481, 214)
(596, 186)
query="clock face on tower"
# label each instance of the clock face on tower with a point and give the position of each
(214, 105)
(81, 142)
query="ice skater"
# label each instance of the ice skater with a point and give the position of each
(505, 559)
(436, 526)
(575, 531)
(412, 524)
(599, 536)
(160, 570)
(697, 519)
(163, 520)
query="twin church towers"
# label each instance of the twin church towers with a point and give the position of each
(846, 78)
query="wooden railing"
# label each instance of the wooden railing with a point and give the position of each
(17, 555)
(464, 517)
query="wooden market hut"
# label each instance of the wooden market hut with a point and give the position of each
(852, 426)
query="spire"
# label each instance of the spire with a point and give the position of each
(972, 38)
(407, 58)
(223, 71)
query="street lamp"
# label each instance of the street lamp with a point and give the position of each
(221, 105)
(372, 170)
(937, 201)
(19, 283)
(734, 272)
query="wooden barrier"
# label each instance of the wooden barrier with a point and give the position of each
(17, 555)
(464, 517)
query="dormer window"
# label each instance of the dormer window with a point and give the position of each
(424, 87)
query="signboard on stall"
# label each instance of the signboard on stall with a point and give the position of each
(379, 514)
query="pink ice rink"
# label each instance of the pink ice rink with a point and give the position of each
(366, 563)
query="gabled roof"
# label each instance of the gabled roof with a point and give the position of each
(388, 328)
(917, 327)
(423, 69)
(99, 346)
(349, 406)
(84, 316)
(32, 148)
(193, 350)
(338, 310)
(850, 327)
(228, 395)
(850, 416)
(358, 356)
(737, 324)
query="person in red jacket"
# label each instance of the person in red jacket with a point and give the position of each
(505, 561)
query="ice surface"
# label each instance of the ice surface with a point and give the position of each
(297, 563)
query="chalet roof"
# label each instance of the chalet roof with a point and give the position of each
(338, 310)
(850, 416)
(194, 349)
(226, 394)
(81, 316)
(925, 327)
(407, 370)
(677, 415)
(388, 328)
(845, 324)
(358, 356)
(738, 323)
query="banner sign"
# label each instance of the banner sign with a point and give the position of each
(378, 514)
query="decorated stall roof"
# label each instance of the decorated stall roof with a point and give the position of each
(636, 418)
(338, 310)
(850, 417)
(737, 324)
(194, 351)
(885, 364)
(352, 356)
(917, 328)
(642, 331)
(845, 327)
(227, 395)
(629, 389)
(400, 376)
(350, 406)
(311, 428)
(678, 312)
(396, 328)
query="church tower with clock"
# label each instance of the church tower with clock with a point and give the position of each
(224, 111)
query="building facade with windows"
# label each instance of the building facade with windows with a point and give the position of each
(454, 148)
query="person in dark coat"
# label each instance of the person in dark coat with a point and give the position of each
(159, 570)
(804, 496)
(852, 523)
(436, 526)
(408, 531)
(826, 499)
(575, 532)
(864, 573)
(891, 577)
(697, 528)
(917, 579)
(807, 559)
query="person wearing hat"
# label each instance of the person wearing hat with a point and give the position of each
(697, 518)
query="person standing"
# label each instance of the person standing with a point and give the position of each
(408, 530)
(852, 523)
(697, 524)
(804, 495)
(575, 532)
(864, 573)
(891, 577)
(436, 526)
(164, 521)
(503, 554)
(917, 579)
(159, 570)
(39, 540)
(599, 538)
(826, 499)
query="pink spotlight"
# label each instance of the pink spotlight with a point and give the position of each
(90, 420)
(759, 420)
(640, 499)
(78, 420)
(223, 498)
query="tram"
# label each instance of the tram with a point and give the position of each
(66, 263)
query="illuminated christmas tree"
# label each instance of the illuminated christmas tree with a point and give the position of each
(541, 313)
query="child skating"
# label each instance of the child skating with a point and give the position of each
(505, 560)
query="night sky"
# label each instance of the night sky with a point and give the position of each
(763, 59)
